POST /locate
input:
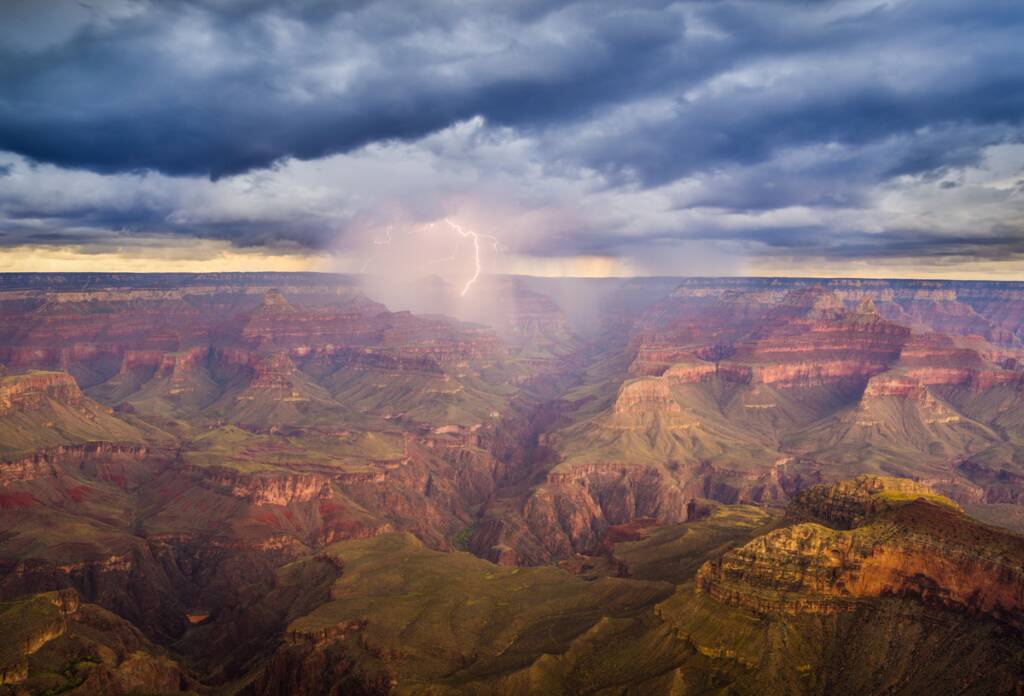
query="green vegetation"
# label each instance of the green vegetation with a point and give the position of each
(461, 540)
(924, 650)
(54, 422)
(455, 623)
(233, 447)
(895, 498)
(74, 671)
(451, 623)
(457, 617)
(29, 623)
(429, 398)
(700, 422)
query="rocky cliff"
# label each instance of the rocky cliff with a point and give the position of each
(207, 437)
(31, 390)
(903, 540)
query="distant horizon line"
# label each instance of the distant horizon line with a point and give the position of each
(923, 279)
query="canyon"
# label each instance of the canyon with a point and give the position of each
(241, 483)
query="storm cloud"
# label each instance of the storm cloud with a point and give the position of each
(840, 130)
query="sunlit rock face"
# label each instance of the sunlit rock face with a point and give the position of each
(875, 537)
(30, 391)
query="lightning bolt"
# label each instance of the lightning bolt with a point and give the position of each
(464, 233)
(476, 254)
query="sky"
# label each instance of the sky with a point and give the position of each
(878, 138)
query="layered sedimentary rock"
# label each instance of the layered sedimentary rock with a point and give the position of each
(240, 428)
(30, 391)
(803, 337)
(572, 510)
(903, 541)
(846, 504)
(992, 310)
(730, 378)
(65, 330)
(47, 409)
(646, 396)
(111, 462)
(180, 450)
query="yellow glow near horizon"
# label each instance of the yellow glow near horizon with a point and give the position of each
(882, 269)
(210, 256)
(200, 256)
(207, 256)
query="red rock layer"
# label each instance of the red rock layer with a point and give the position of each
(98, 334)
(793, 339)
(30, 391)
(646, 395)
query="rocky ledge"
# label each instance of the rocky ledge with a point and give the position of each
(30, 390)
(874, 537)
(847, 504)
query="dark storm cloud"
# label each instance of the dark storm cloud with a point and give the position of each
(814, 240)
(918, 244)
(134, 94)
(808, 239)
(739, 108)
(77, 224)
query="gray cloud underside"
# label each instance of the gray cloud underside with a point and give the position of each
(740, 108)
